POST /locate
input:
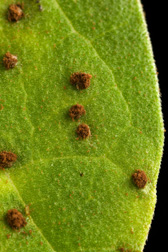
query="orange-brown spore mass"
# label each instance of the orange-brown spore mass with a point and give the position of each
(15, 12)
(7, 159)
(15, 219)
(9, 60)
(76, 111)
(139, 178)
(83, 131)
(80, 80)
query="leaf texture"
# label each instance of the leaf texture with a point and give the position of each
(101, 210)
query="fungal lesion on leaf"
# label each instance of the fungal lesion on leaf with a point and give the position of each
(9, 60)
(80, 80)
(83, 131)
(7, 159)
(15, 12)
(15, 219)
(76, 111)
(139, 179)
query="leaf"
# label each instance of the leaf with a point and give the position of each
(78, 194)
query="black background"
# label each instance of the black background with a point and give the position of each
(156, 17)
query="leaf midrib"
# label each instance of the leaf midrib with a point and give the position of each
(38, 229)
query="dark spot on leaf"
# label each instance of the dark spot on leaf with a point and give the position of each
(30, 231)
(139, 178)
(15, 219)
(9, 60)
(24, 233)
(7, 159)
(15, 12)
(40, 8)
(76, 111)
(80, 80)
(8, 236)
(83, 131)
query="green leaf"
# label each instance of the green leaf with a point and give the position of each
(102, 210)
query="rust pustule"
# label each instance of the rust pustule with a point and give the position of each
(15, 12)
(9, 60)
(80, 80)
(139, 178)
(76, 111)
(7, 159)
(83, 131)
(15, 219)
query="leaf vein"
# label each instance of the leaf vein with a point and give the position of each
(111, 70)
(89, 42)
(39, 230)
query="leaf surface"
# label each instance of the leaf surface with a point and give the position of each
(101, 210)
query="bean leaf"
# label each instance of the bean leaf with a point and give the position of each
(78, 195)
